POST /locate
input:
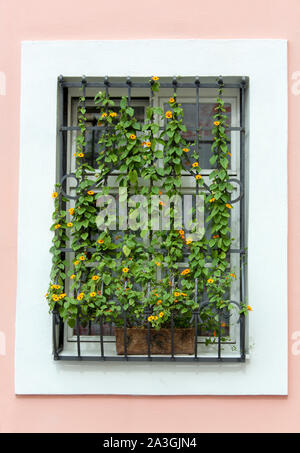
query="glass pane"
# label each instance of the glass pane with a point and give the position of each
(206, 113)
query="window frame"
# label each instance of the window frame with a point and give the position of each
(35, 372)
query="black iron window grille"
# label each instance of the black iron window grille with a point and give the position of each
(96, 341)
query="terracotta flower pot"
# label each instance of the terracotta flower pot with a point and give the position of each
(160, 341)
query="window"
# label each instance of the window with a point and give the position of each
(265, 370)
(198, 101)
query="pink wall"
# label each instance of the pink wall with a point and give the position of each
(132, 19)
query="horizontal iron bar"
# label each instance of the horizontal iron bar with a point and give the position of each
(149, 359)
(147, 85)
(96, 128)
(69, 250)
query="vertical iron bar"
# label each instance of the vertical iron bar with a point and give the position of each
(172, 336)
(242, 214)
(196, 319)
(197, 83)
(125, 328)
(128, 81)
(54, 335)
(78, 333)
(101, 337)
(219, 335)
(148, 328)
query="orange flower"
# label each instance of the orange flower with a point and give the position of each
(228, 206)
(233, 275)
(161, 203)
(216, 236)
(100, 241)
(159, 302)
(185, 272)
(54, 195)
(216, 123)
(186, 150)
(249, 308)
(132, 137)
(212, 200)
(183, 294)
(181, 232)
(91, 192)
(71, 211)
(195, 164)
(168, 114)
(223, 324)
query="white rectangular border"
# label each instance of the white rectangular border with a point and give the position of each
(265, 63)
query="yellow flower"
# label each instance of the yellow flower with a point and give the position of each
(125, 270)
(168, 114)
(161, 314)
(155, 318)
(100, 241)
(212, 200)
(95, 277)
(70, 224)
(55, 297)
(198, 176)
(56, 286)
(155, 78)
(71, 211)
(57, 226)
(183, 294)
(76, 262)
(249, 308)
(216, 123)
(176, 294)
(54, 195)
(93, 294)
(80, 296)
(150, 318)
(185, 272)
(53, 286)
(159, 302)
(189, 241)
(113, 114)
(132, 137)
(228, 206)
(233, 275)
(62, 296)
(210, 280)
(46, 295)
(171, 100)
(186, 150)
(181, 232)
(157, 263)
(223, 324)
(195, 164)
(80, 155)
(72, 276)
(148, 144)
(91, 192)
(82, 258)
(104, 115)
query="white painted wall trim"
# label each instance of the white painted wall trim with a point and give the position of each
(265, 63)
